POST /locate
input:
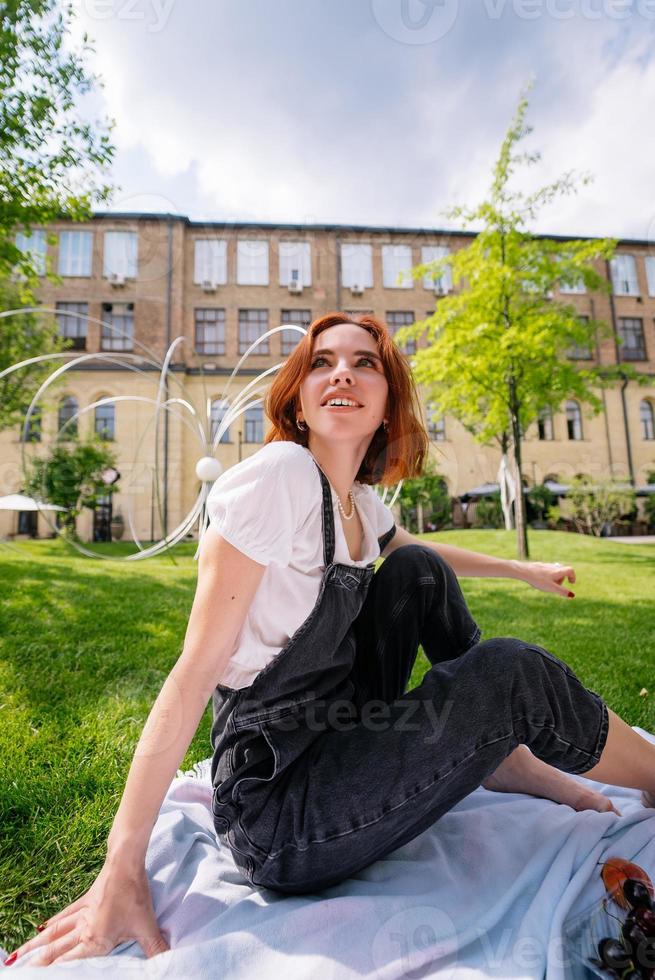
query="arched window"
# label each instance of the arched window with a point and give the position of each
(67, 409)
(436, 424)
(573, 420)
(219, 407)
(105, 421)
(647, 419)
(254, 424)
(545, 424)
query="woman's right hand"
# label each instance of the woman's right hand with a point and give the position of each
(117, 908)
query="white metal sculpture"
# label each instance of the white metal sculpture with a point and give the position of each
(199, 422)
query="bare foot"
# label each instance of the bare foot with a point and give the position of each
(522, 772)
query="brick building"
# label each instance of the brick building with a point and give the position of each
(144, 280)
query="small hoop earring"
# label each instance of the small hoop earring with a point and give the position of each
(301, 425)
(385, 425)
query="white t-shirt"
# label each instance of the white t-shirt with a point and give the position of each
(269, 506)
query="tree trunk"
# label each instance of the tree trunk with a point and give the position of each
(419, 516)
(519, 503)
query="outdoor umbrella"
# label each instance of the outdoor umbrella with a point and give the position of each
(18, 501)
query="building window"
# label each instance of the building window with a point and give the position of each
(210, 262)
(573, 420)
(105, 421)
(442, 283)
(75, 253)
(631, 332)
(31, 431)
(252, 262)
(397, 262)
(649, 262)
(295, 263)
(624, 275)
(210, 332)
(404, 318)
(545, 425)
(218, 410)
(576, 288)
(35, 246)
(580, 352)
(71, 318)
(356, 265)
(252, 324)
(647, 419)
(120, 255)
(290, 338)
(27, 522)
(68, 407)
(117, 326)
(254, 422)
(436, 424)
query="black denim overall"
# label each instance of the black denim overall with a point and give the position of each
(324, 764)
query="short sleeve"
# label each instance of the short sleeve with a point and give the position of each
(251, 506)
(384, 516)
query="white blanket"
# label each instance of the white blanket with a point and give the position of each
(482, 893)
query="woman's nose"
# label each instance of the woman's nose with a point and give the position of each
(341, 373)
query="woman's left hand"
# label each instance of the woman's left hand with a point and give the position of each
(548, 576)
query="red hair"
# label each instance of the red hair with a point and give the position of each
(397, 454)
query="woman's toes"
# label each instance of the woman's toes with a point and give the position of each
(589, 799)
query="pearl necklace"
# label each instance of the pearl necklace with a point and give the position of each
(349, 516)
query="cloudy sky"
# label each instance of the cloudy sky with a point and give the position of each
(381, 112)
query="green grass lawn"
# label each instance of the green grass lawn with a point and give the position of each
(86, 646)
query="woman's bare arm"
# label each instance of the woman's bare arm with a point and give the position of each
(546, 576)
(227, 582)
(118, 906)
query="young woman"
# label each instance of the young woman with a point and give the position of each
(322, 763)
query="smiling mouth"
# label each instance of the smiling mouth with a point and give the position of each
(326, 404)
(343, 408)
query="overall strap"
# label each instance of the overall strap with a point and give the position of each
(328, 519)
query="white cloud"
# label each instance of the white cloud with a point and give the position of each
(232, 114)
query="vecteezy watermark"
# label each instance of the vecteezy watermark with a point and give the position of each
(417, 939)
(567, 9)
(415, 21)
(420, 715)
(427, 21)
(154, 13)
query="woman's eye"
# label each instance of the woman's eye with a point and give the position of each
(369, 359)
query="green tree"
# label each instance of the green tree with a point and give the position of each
(595, 503)
(488, 513)
(72, 478)
(427, 493)
(52, 160)
(23, 336)
(497, 347)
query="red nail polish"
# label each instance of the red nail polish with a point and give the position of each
(10, 959)
(41, 927)
(571, 595)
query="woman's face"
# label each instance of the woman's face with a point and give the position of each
(345, 363)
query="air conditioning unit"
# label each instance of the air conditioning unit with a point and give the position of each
(209, 286)
(357, 289)
(117, 279)
(295, 285)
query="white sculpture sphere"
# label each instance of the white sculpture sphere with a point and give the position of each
(208, 469)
